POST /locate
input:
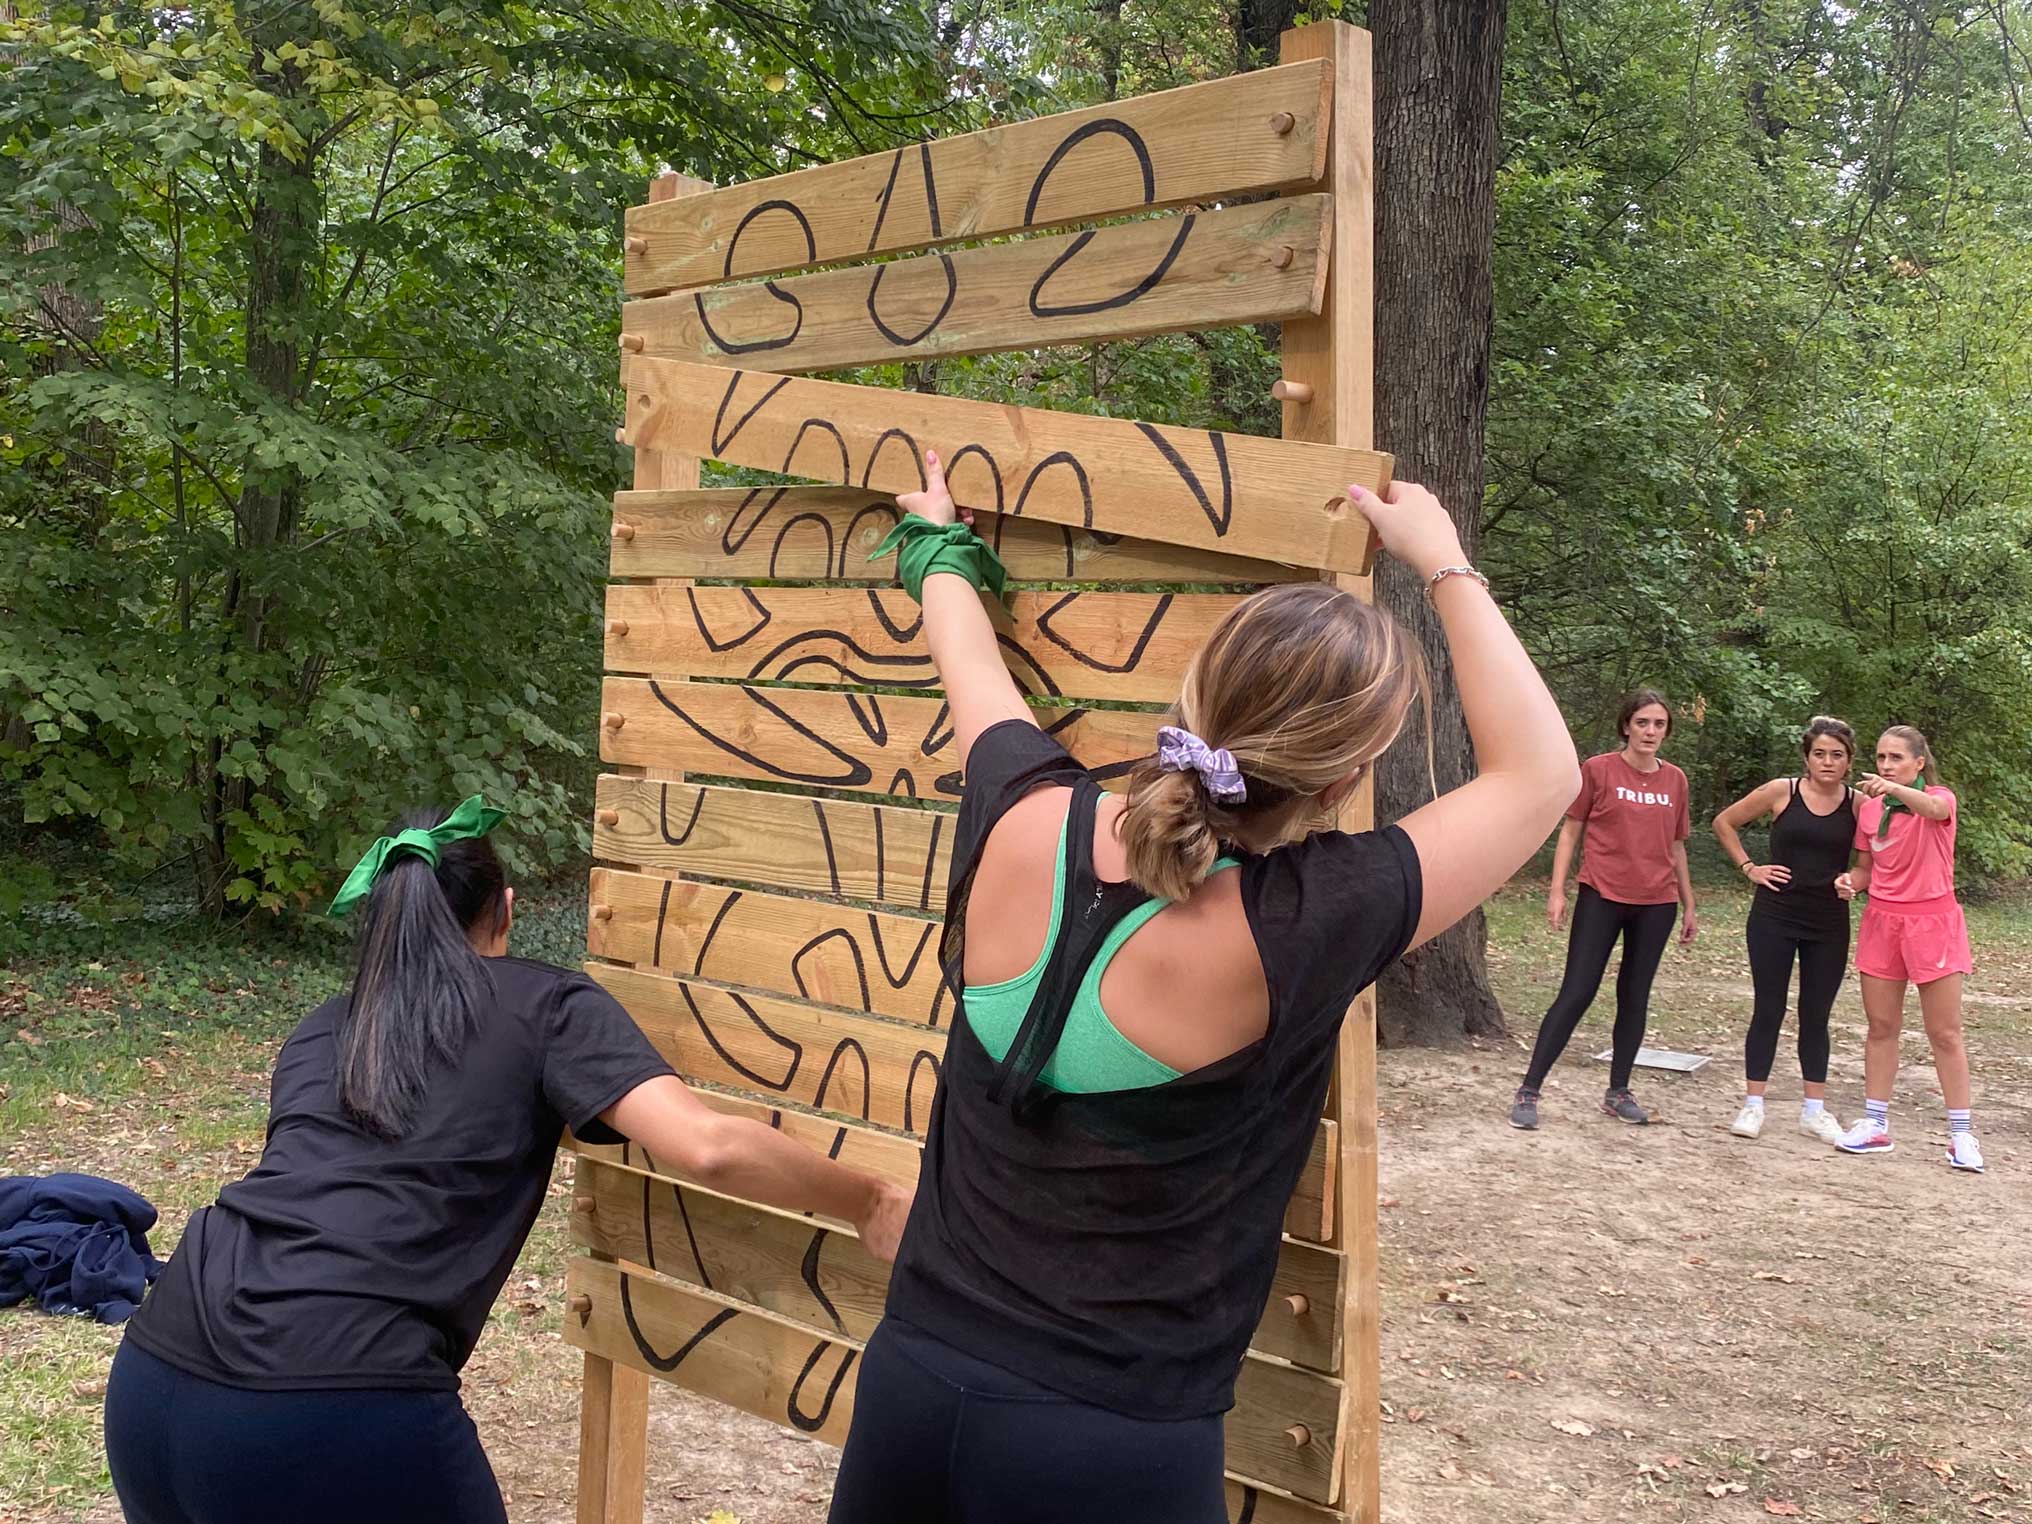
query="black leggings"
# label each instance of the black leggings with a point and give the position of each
(942, 1438)
(1823, 960)
(1597, 923)
(184, 1450)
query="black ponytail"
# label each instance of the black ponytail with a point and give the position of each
(420, 987)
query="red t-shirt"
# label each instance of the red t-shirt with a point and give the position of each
(1916, 860)
(1632, 820)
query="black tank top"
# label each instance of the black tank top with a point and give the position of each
(1816, 849)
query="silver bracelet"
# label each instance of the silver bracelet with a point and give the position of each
(1432, 582)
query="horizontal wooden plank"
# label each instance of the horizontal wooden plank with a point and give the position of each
(863, 960)
(1260, 263)
(1270, 1398)
(797, 1056)
(803, 1375)
(1197, 143)
(855, 741)
(794, 533)
(660, 1222)
(823, 846)
(778, 1261)
(1079, 645)
(1271, 499)
(884, 1072)
(1257, 1503)
(726, 1350)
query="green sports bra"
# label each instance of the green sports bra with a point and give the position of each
(1091, 1055)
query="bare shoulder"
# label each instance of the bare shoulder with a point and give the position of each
(1029, 829)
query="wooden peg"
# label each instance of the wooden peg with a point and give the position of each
(613, 719)
(1298, 1303)
(1292, 391)
(607, 817)
(603, 913)
(620, 436)
(583, 1306)
(1281, 259)
(633, 342)
(1282, 123)
(584, 1205)
(1299, 1435)
(617, 627)
(635, 245)
(622, 530)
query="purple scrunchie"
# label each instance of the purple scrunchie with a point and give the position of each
(1181, 751)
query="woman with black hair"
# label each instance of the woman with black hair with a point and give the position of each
(1632, 810)
(1800, 913)
(298, 1359)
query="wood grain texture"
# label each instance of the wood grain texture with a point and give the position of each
(1335, 354)
(820, 533)
(1260, 263)
(1257, 1503)
(855, 741)
(1078, 645)
(780, 1261)
(1264, 498)
(1197, 143)
(884, 855)
(802, 1375)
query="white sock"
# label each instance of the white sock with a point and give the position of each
(1810, 1108)
(1753, 1103)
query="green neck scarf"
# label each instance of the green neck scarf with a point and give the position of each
(1893, 804)
(472, 819)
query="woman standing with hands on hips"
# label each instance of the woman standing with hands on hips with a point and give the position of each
(1150, 994)
(1798, 913)
(1632, 810)
(1913, 932)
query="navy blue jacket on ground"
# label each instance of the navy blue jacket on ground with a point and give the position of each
(74, 1244)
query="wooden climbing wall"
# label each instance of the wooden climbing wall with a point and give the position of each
(772, 840)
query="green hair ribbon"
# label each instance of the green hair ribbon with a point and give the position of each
(473, 818)
(922, 547)
(1893, 804)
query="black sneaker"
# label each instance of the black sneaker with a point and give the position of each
(1620, 1103)
(1524, 1109)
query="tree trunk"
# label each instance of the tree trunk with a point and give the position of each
(1439, 77)
(281, 242)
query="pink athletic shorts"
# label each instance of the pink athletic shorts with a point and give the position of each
(1915, 940)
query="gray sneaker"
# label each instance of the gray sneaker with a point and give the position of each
(1524, 1109)
(1620, 1103)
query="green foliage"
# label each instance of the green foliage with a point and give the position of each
(307, 324)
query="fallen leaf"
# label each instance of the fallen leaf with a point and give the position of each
(1724, 1489)
(1782, 1510)
(1416, 1415)
(1572, 1426)
(1772, 1275)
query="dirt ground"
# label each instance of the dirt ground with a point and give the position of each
(1590, 1323)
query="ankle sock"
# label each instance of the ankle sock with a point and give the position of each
(1753, 1103)
(1810, 1108)
(1878, 1112)
(1958, 1121)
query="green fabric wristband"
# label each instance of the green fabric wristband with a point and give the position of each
(922, 547)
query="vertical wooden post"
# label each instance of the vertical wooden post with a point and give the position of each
(614, 1410)
(1335, 355)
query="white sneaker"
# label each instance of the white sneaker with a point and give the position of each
(1824, 1126)
(1963, 1152)
(1749, 1122)
(1866, 1137)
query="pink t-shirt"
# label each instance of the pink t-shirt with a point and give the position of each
(1632, 820)
(1914, 862)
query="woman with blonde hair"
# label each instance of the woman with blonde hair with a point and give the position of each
(1798, 914)
(1913, 932)
(1150, 993)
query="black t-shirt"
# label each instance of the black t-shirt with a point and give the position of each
(1119, 1247)
(348, 1261)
